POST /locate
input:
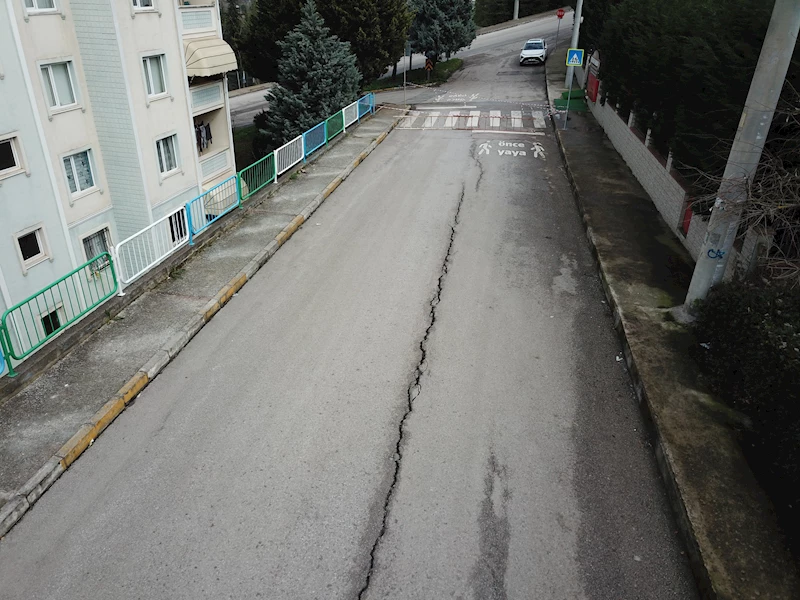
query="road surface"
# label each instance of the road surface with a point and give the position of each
(420, 396)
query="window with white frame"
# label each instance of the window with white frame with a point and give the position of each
(154, 75)
(40, 5)
(142, 4)
(78, 169)
(167, 149)
(59, 84)
(32, 247)
(10, 157)
(95, 245)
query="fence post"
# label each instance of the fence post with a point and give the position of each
(239, 187)
(372, 102)
(305, 156)
(4, 349)
(189, 223)
(325, 129)
(117, 276)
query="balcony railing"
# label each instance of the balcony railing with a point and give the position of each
(198, 19)
(207, 97)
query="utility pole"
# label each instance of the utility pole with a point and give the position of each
(759, 108)
(516, 9)
(576, 30)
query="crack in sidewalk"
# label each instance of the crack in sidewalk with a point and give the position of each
(414, 390)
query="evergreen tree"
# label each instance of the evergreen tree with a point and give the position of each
(317, 76)
(231, 25)
(267, 22)
(358, 22)
(441, 27)
(396, 20)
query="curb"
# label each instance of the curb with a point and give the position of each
(32, 490)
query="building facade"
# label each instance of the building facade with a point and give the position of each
(113, 113)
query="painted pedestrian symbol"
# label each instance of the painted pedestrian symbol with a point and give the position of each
(484, 148)
(574, 57)
(538, 150)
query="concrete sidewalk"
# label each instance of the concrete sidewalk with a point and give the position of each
(45, 426)
(726, 520)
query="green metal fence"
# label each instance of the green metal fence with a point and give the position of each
(335, 125)
(27, 326)
(256, 176)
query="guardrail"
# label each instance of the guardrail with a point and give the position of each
(366, 104)
(39, 318)
(334, 125)
(315, 138)
(145, 249)
(211, 206)
(289, 154)
(253, 178)
(350, 114)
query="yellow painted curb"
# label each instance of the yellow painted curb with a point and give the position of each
(331, 186)
(211, 312)
(382, 137)
(298, 220)
(103, 417)
(135, 385)
(70, 451)
(281, 237)
(236, 284)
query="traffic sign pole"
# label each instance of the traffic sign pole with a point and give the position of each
(574, 59)
(560, 15)
(576, 28)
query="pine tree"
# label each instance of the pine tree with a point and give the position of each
(231, 24)
(267, 22)
(441, 27)
(395, 22)
(317, 76)
(358, 22)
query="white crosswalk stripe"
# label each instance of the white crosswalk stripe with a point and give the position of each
(473, 119)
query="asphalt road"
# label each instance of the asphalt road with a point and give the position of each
(419, 396)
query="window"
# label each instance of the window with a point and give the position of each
(9, 157)
(167, 154)
(58, 84)
(32, 247)
(154, 75)
(36, 5)
(95, 245)
(51, 322)
(142, 4)
(78, 168)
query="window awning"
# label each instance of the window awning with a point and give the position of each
(209, 56)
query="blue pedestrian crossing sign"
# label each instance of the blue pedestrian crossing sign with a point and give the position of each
(575, 57)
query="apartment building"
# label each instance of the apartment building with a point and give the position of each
(113, 113)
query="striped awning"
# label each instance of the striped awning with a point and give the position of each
(209, 56)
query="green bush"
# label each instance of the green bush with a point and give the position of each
(749, 350)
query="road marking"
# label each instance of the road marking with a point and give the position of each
(538, 119)
(494, 118)
(452, 119)
(436, 107)
(493, 131)
(474, 117)
(408, 120)
(516, 119)
(430, 119)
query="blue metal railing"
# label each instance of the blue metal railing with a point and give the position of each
(211, 206)
(366, 104)
(315, 138)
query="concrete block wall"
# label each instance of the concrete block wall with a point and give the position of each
(667, 194)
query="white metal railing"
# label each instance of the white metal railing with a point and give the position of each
(351, 114)
(289, 155)
(198, 19)
(205, 97)
(145, 249)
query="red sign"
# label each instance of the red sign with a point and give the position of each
(560, 13)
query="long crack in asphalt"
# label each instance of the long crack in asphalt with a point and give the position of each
(414, 390)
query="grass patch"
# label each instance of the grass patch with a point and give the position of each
(441, 73)
(243, 146)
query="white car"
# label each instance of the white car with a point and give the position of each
(533, 52)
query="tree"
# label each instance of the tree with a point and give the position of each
(317, 76)
(231, 25)
(441, 27)
(267, 22)
(358, 22)
(395, 22)
(491, 12)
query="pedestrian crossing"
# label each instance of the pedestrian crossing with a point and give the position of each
(474, 119)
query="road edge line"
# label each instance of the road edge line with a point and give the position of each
(27, 495)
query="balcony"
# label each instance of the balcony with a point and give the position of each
(198, 19)
(213, 150)
(206, 98)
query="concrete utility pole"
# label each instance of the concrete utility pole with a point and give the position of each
(576, 30)
(516, 9)
(759, 108)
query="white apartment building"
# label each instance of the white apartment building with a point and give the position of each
(112, 114)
